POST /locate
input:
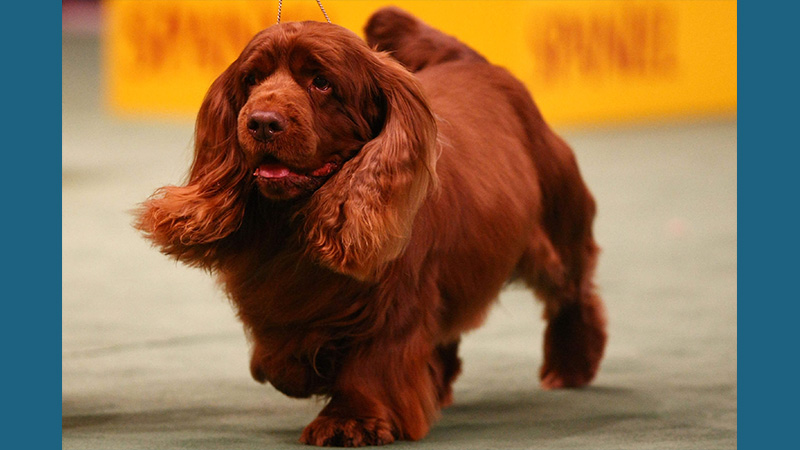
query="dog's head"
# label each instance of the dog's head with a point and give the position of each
(306, 100)
(309, 115)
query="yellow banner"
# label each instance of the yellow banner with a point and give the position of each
(584, 61)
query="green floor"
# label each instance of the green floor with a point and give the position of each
(153, 357)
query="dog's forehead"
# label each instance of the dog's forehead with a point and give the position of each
(324, 41)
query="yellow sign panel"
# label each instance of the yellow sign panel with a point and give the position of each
(584, 61)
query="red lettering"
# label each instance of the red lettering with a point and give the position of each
(632, 41)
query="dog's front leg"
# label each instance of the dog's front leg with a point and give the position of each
(287, 370)
(298, 362)
(383, 392)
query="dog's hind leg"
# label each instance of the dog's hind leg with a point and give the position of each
(445, 366)
(412, 42)
(575, 337)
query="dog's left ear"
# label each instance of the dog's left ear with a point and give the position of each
(362, 217)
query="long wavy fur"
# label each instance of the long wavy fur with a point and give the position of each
(188, 222)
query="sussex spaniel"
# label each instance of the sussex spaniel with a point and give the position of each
(363, 204)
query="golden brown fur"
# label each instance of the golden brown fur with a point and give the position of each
(361, 233)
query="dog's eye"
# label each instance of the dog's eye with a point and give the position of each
(321, 83)
(250, 80)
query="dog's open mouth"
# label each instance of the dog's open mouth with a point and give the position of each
(280, 181)
(275, 171)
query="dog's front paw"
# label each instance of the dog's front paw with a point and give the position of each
(347, 432)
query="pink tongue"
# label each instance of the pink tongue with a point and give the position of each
(272, 171)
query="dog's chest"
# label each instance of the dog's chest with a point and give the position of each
(288, 289)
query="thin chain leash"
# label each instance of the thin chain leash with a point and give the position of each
(319, 2)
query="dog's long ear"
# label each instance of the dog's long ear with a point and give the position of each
(362, 217)
(187, 222)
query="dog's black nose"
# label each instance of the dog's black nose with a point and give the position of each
(264, 125)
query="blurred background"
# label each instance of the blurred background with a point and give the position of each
(644, 91)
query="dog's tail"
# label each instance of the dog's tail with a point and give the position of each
(412, 42)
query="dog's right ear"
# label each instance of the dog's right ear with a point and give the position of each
(187, 222)
(362, 217)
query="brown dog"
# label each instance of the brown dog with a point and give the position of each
(362, 217)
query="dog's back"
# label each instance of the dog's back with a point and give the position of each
(462, 86)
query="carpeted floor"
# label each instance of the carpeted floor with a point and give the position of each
(153, 356)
